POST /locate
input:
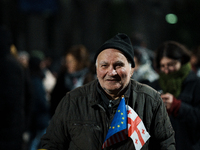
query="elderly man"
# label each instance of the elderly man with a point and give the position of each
(84, 115)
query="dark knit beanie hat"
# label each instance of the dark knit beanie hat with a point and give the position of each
(122, 43)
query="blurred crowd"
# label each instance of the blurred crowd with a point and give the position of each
(30, 90)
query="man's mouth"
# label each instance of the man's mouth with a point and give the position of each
(112, 79)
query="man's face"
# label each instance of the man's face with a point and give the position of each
(113, 71)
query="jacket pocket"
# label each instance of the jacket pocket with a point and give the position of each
(91, 125)
(85, 135)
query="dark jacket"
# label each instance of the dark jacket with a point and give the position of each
(65, 84)
(80, 121)
(40, 114)
(187, 123)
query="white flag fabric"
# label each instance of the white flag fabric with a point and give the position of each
(136, 129)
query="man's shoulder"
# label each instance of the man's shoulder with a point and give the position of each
(145, 95)
(84, 90)
(143, 89)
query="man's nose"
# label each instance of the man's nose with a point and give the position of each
(112, 71)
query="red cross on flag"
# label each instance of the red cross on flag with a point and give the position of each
(136, 129)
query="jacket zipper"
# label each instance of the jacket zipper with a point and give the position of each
(105, 112)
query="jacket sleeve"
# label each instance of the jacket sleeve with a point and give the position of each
(189, 111)
(162, 133)
(56, 136)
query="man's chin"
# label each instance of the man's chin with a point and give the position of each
(112, 90)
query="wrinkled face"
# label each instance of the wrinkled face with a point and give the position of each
(168, 65)
(113, 71)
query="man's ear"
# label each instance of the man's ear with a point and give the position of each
(132, 71)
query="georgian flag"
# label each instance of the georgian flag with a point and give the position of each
(126, 123)
(136, 129)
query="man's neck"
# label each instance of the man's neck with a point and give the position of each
(114, 96)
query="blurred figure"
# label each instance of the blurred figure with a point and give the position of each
(40, 115)
(23, 58)
(143, 71)
(75, 72)
(180, 87)
(138, 41)
(195, 60)
(13, 50)
(49, 79)
(11, 95)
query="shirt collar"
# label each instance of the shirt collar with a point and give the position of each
(108, 102)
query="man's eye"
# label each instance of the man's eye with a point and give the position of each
(103, 65)
(119, 65)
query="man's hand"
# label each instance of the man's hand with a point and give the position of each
(167, 99)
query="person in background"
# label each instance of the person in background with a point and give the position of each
(143, 71)
(83, 117)
(139, 42)
(179, 86)
(11, 95)
(13, 50)
(195, 60)
(40, 115)
(74, 73)
(23, 58)
(49, 79)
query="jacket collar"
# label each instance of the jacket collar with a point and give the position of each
(98, 95)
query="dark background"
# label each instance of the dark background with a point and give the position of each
(52, 26)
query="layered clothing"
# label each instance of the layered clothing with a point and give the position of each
(82, 120)
(185, 120)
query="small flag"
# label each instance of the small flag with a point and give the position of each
(126, 123)
(118, 129)
(136, 129)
